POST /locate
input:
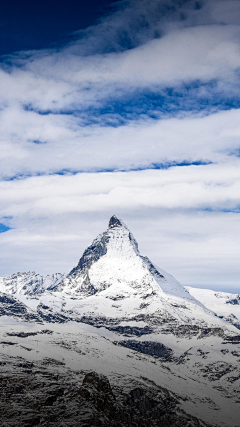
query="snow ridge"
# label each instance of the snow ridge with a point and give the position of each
(29, 283)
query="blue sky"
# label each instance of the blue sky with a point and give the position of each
(31, 24)
(129, 108)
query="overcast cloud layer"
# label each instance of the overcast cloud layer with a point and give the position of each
(139, 115)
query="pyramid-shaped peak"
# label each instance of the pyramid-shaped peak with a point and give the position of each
(113, 260)
(115, 222)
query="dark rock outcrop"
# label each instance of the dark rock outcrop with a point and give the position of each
(50, 395)
(131, 330)
(151, 348)
(48, 315)
(10, 306)
(234, 301)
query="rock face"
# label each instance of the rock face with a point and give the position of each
(48, 315)
(56, 398)
(10, 306)
(142, 406)
(152, 348)
(234, 301)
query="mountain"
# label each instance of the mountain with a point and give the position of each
(112, 259)
(116, 342)
(114, 283)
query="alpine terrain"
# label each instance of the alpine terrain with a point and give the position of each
(117, 342)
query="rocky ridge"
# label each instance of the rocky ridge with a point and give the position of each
(29, 283)
(62, 397)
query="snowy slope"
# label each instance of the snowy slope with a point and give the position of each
(29, 283)
(225, 305)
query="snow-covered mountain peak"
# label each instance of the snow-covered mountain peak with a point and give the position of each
(117, 241)
(112, 266)
(121, 241)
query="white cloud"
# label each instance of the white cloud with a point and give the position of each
(62, 80)
(193, 187)
(182, 55)
(137, 144)
(50, 119)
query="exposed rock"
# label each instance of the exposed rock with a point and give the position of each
(131, 330)
(28, 334)
(10, 306)
(206, 332)
(216, 370)
(232, 339)
(40, 395)
(48, 315)
(234, 301)
(151, 348)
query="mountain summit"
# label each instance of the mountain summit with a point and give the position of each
(115, 222)
(113, 260)
(113, 268)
